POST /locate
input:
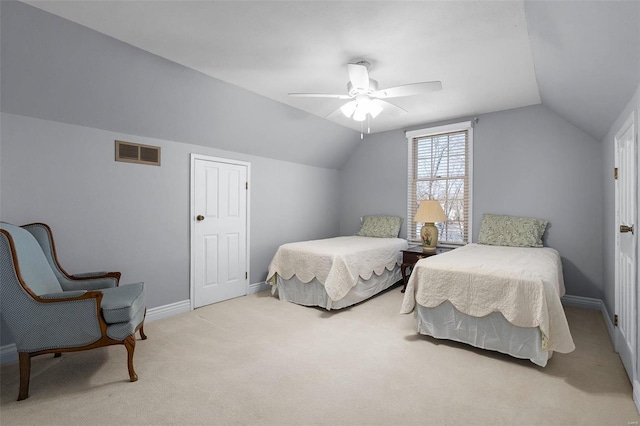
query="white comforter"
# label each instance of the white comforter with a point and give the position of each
(336, 262)
(524, 284)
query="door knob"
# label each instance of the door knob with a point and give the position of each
(626, 228)
(199, 218)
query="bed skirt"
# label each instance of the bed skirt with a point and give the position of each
(314, 294)
(492, 332)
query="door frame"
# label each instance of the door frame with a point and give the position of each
(630, 122)
(192, 218)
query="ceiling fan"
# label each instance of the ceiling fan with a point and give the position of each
(366, 101)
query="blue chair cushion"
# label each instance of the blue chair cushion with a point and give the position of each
(121, 330)
(121, 304)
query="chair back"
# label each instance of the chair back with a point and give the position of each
(42, 234)
(32, 264)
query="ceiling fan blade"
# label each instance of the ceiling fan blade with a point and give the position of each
(359, 76)
(319, 95)
(335, 113)
(408, 90)
(389, 107)
(347, 110)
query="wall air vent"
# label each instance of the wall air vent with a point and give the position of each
(137, 153)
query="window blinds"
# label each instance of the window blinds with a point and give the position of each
(439, 170)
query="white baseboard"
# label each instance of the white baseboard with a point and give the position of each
(593, 304)
(609, 323)
(582, 302)
(8, 354)
(258, 287)
(165, 311)
(636, 394)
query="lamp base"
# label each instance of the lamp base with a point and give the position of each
(429, 235)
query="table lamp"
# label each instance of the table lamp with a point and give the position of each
(429, 211)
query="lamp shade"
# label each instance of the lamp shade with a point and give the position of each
(430, 211)
(362, 107)
(348, 108)
(375, 109)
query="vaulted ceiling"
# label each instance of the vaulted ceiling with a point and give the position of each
(581, 59)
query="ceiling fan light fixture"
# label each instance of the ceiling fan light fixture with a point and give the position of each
(360, 114)
(364, 106)
(365, 100)
(349, 108)
(375, 109)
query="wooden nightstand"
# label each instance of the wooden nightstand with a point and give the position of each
(411, 256)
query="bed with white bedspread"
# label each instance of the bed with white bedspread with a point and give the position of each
(495, 297)
(335, 272)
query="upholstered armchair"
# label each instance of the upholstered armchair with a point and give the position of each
(49, 311)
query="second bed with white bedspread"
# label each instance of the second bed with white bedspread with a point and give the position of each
(482, 283)
(335, 272)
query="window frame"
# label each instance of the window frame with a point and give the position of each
(429, 132)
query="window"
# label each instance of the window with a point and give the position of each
(440, 169)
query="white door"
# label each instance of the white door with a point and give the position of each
(219, 230)
(626, 243)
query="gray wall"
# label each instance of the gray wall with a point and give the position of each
(57, 70)
(68, 92)
(108, 215)
(134, 218)
(527, 162)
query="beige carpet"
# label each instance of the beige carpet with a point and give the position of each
(257, 360)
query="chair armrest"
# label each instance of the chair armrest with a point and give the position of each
(96, 275)
(63, 295)
(89, 274)
(97, 283)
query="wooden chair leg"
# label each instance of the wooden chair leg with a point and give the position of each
(130, 344)
(142, 335)
(24, 360)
